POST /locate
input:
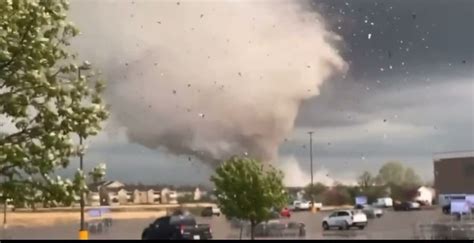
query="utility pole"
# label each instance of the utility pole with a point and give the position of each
(83, 233)
(313, 209)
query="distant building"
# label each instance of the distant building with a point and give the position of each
(169, 196)
(453, 175)
(197, 194)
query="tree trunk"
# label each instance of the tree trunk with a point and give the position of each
(252, 230)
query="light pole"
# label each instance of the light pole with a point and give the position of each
(83, 233)
(313, 209)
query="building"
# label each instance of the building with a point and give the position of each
(453, 175)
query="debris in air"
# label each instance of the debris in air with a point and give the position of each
(202, 15)
(201, 115)
(240, 74)
(369, 36)
(174, 91)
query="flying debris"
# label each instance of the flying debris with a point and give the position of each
(369, 36)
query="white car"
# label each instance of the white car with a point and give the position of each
(300, 205)
(345, 219)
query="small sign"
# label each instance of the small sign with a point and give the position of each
(361, 200)
(470, 201)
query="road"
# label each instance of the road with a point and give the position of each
(393, 225)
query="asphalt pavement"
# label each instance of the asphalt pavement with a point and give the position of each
(392, 225)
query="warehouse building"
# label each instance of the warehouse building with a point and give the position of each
(453, 175)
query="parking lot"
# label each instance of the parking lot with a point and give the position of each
(393, 225)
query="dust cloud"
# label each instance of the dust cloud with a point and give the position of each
(208, 79)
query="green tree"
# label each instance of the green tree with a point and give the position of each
(315, 191)
(44, 100)
(391, 173)
(411, 178)
(246, 190)
(365, 180)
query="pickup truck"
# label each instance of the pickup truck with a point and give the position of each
(177, 227)
(345, 219)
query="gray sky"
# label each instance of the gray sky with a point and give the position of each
(408, 93)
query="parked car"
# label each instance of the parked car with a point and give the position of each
(275, 228)
(370, 211)
(406, 206)
(345, 219)
(210, 211)
(300, 205)
(285, 212)
(177, 227)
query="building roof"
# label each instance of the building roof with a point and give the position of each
(140, 187)
(452, 155)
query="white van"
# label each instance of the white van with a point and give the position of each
(385, 202)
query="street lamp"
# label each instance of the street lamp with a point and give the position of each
(83, 233)
(313, 208)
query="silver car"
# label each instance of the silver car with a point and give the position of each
(370, 211)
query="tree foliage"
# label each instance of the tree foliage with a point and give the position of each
(365, 180)
(391, 173)
(314, 191)
(410, 178)
(394, 173)
(246, 190)
(43, 102)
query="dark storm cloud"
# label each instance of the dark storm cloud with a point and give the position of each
(426, 35)
(413, 44)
